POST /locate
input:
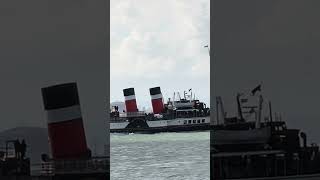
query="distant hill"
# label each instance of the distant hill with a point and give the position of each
(36, 139)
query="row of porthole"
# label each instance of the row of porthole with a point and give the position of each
(194, 121)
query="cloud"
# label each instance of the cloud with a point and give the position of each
(153, 40)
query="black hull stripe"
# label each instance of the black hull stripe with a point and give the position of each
(199, 127)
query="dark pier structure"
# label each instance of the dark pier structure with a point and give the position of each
(70, 158)
(243, 149)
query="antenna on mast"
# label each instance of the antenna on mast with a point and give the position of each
(174, 97)
(206, 46)
(179, 96)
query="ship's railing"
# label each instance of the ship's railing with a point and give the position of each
(10, 152)
(118, 119)
(47, 168)
(249, 153)
(132, 114)
(93, 165)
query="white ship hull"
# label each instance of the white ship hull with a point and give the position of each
(224, 137)
(178, 124)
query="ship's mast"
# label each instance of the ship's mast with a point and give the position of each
(173, 99)
(206, 46)
(258, 120)
(239, 107)
(220, 109)
(217, 110)
(270, 111)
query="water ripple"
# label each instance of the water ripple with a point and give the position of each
(175, 156)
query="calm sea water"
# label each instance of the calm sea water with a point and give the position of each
(175, 156)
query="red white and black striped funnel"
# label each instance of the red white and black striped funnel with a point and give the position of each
(130, 100)
(65, 126)
(156, 100)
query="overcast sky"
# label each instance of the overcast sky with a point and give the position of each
(276, 43)
(159, 43)
(44, 43)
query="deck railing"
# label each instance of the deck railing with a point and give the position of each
(132, 114)
(78, 166)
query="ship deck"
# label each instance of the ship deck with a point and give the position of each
(296, 177)
(249, 153)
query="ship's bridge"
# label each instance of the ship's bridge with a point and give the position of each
(183, 104)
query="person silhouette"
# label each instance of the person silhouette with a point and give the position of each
(23, 148)
(17, 148)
